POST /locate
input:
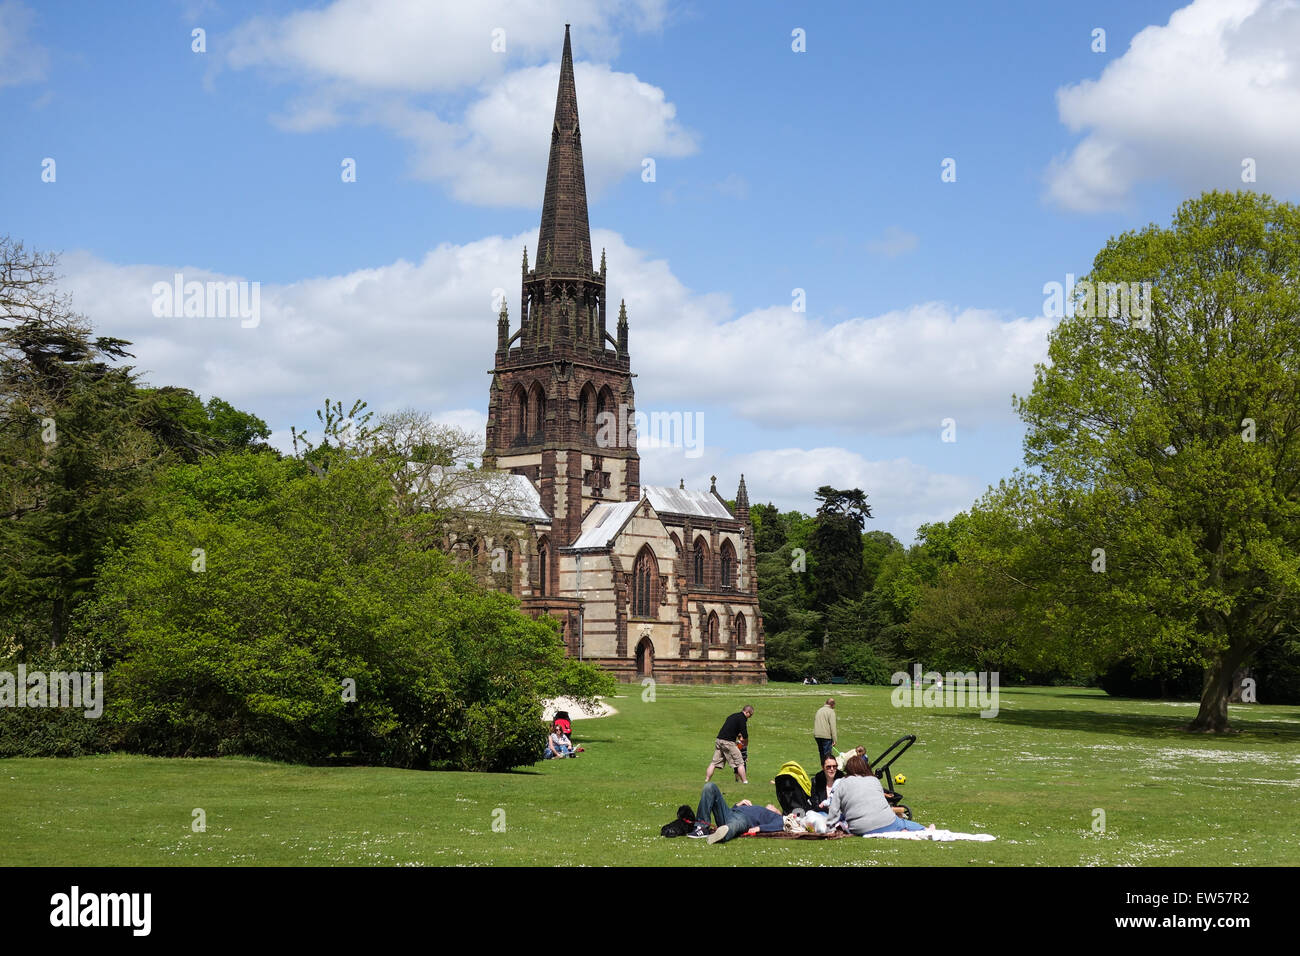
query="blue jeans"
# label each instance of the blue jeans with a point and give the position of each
(899, 824)
(713, 807)
(823, 749)
(547, 755)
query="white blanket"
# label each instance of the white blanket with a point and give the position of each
(939, 836)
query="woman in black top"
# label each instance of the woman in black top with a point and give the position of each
(823, 781)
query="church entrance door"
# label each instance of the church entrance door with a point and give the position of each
(645, 658)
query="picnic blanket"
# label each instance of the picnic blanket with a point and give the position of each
(796, 835)
(938, 836)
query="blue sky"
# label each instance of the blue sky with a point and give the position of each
(774, 170)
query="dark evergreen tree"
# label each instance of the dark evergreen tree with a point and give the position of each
(838, 571)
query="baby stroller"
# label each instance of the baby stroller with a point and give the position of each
(881, 765)
(793, 788)
(562, 723)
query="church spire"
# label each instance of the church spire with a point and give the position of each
(565, 233)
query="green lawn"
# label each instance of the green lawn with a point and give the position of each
(1032, 776)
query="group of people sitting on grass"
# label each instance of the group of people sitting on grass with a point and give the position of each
(852, 800)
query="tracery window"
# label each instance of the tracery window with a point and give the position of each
(645, 573)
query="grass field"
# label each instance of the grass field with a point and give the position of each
(1032, 776)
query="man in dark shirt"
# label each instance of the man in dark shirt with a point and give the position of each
(725, 750)
(733, 821)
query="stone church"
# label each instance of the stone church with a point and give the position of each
(648, 581)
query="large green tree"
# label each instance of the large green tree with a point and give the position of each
(1164, 446)
(80, 443)
(265, 609)
(73, 457)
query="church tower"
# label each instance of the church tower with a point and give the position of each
(561, 405)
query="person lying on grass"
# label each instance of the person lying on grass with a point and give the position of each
(858, 802)
(732, 821)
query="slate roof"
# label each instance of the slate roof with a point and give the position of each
(679, 501)
(518, 492)
(603, 524)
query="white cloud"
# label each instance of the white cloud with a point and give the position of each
(423, 334)
(381, 62)
(473, 420)
(903, 494)
(404, 334)
(21, 59)
(1188, 102)
(485, 160)
(893, 374)
(416, 46)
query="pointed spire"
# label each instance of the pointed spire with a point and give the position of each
(682, 484)
(564, 209)
(713, 484)
(602, 260)
(525, 260)
(742, 495)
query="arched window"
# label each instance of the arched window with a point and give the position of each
(712, 627)
(741, 630)
(645, 575)
(539, 411)
(543, 565)
(727, 564)
(701, 560)
(510, 571)
(520, 403)
(586, 399)
(677, 542)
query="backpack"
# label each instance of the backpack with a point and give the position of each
(683, 825)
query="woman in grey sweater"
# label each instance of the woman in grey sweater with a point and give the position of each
(859, 801)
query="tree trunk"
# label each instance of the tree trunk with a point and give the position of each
(1218, 687)
(1239, 684)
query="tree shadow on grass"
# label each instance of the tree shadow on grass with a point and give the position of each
(1172, 727)
(1038, 692)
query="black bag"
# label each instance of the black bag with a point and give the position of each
(683, 825)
